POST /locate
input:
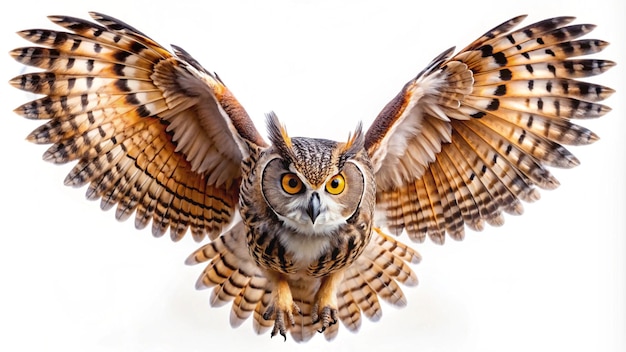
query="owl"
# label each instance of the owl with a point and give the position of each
(155, 134)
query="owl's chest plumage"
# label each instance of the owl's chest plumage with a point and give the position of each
(304, 250)
(286, 251)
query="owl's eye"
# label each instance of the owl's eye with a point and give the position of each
(336, 184)
(291, 183)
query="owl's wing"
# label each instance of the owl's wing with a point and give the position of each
(153, 132)
(472, 134)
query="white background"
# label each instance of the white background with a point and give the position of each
(74, 279)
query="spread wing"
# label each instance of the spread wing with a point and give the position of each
(152, 131)
(472, 134)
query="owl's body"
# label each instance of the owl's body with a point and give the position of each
(463, 142)
(319, 234)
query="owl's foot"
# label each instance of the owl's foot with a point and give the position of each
(282, 307)
(279, 315)
(327, 315)
(325, 306)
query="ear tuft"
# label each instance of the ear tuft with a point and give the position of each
(356, 141)
(278, 136)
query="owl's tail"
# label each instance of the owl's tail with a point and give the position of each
(374, 275)
(235, 277)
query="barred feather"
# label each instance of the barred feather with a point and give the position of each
(155, 134)
(504, 104)
(151, 133)
(235, 277)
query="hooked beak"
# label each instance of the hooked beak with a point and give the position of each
(314, 207)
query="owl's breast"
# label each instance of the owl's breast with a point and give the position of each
(304, 250)
(289, 252)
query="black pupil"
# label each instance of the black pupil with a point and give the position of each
(293, 183)
(334, 183)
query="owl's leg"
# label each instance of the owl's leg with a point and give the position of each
(325, 306)
(282, 307)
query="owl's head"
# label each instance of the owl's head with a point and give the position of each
(314, 185)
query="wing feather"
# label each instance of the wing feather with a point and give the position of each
(153, 133)
(473, 134)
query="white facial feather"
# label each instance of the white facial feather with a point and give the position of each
(328, 220)
(305, 239)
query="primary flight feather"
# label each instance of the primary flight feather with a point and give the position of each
(157, 135)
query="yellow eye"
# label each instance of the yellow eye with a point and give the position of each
(291, 183)
(336, 184)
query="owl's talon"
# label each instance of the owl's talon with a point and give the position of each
(278, 314)
(327, 315)
(279, 327)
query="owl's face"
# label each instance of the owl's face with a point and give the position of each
(314, 185)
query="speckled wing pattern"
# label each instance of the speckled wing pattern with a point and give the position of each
(473, 134)
(156, 134)
(152, 131)
(235, 277)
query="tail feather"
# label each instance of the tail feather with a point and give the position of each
(375, 274)
(260, 325)
(234, 277)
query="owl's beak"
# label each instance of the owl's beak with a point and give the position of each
(314, 207)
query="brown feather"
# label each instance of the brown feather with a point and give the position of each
(234, 276)
(502, 107)
(151, 132)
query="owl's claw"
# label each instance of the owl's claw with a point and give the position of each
(327, 315)
(279, 314)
